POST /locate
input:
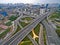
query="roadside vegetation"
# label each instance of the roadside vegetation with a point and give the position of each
(58, 32)
(44, 35)
(18, 28)
(25, 41)
(58, 26)
(23, 24)
(37, 29)
(8, 23)
(12, 18)
(0, 29)
(27, 18)
(55, 15)
(3, 34)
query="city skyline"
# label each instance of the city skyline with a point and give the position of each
(30, 1)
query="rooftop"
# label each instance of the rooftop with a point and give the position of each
(3, 13)
(3, 26)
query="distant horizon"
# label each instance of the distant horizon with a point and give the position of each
(29, 1)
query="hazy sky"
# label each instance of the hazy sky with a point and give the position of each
(30, 1)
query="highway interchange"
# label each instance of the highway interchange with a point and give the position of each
(52, 38)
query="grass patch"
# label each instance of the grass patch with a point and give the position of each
(25, 41)
(0, 28)
(37, 29)
(12, 18)
(44, 35)
(27, 18)
(18, 29)
(37, 40)
(55, 15)
(8, 23)
(58, 26)
(23, 24)
(4, 33)
(58, 32)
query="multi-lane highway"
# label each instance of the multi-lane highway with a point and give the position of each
(52, 38)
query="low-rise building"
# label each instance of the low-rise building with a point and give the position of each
(3, 26)
(3, 14)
